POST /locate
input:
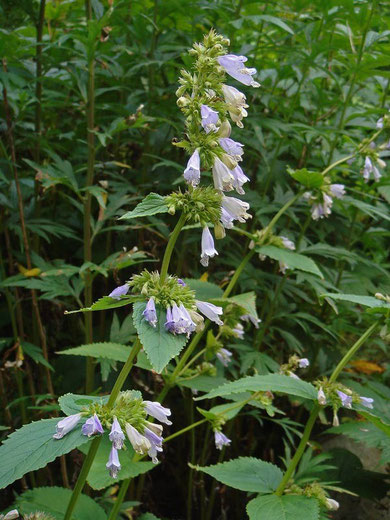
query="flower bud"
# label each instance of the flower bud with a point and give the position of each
(219, 231)
(182, 102)
(229, 161)
(171, 210)
(225, 129)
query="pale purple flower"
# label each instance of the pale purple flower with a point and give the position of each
(332, 505)
(179, 320)
(239, 331)
(66, 425)
(248, 317)
(291, 374)
(288, 244)
(192, 172)
(223, 177)
(189, 324)
(209, 118)
(224, 356)
(11, 515)
(181, 282)
(321, 397)
(233, 209)
(92, 426)
(113, 465)
(234, 66)
(346, 400)
(158, 411)
(221, 440)
(233, 148)
(211, 311)
(120, 291)
(367, 402)
(236, 104)
(303, 362)
(369, 167)
(379, 123)
(337, 190)
(239, 179)
(139, 442)
(208, 249)
(155, 444)
(150, 312)
(322, 209)
(169, 324)
(116, 435)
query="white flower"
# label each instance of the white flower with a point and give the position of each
(192, 172)
(239, 179)
(288, 244)
(224, 356)
(222, 176)
(139, 442)
(158, 411)
(332, 505)
(337, 190)
(303, 362)
(369, 167)
(236, 104)
(208, 249)
(233, 209)
(321, 396)
(211, 311)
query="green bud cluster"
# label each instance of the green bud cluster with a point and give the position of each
(164, 293)
(205, 368)
(38, 515)
(128, 408)
(313, 490)
(291, 366)
(200, 205)
(204, 87)
(332, 397)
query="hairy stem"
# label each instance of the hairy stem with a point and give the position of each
(169, 249)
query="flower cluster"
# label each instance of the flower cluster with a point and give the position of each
(338, 395)
(294, 363)
(322, 201)
(206, 102)
(129, 414)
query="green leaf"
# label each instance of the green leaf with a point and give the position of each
(246, 474)
(106, 350)
(75, 403)
(307, 178)
(33, 447)
(366, 301)
(148, 516)
(202, 383)
(54, 500)
(160, 346)
(292, 259)
(276, 21)
(35, 353)
(286, 507)
(247, 301)
(99, 477)
(107, 303)
(271, 382)
(151, 205)
(204, 290)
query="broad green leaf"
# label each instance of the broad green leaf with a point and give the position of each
(160, 346)
(148, 516)
(247, 301)
(54, 500)
(286, 507)
(276, 21)
(202, 383)
(74, 403)
(151, 205)
(35, 353)
(271, 382)
(33, 447)
(292, 259)
(307, 178)
(246, 474)
(107, 303)
(108, 350)
(99, 477)
(367, 301)
(204, 290)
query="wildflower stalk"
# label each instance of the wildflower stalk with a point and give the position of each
(169, 249)
(316, 408)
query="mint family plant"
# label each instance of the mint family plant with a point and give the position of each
(172, 318)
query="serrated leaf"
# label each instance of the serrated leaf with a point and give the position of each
(151, 205)
(160, 346)
(33, 447)
(246, 474)
(307, 178)
(99, 477)
(54, 500)
(204, 290)
(106, 350)
(247, 301)
(292, 259)
(75, 403)
(366, 301)
(286, 507)
(107, 303)
(271, 382)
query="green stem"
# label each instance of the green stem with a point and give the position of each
(281, 211)
(119, 499)
(169, 249)
(95, 443)
(237, 273)
(316, 408)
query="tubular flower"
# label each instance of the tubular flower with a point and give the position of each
(337, 190)
(370, 168)
(150, 312)
(234, 66)
(224, 356)
(233, 148)
(139, 442)
(332, 505)
(209, 119)
(236, 104)
(248, 317)
(321, 397)
(192, 172)
(178, 320)
(346, 400)
(211, 311)
(158, 411)
(223, 177)
(221, 440)
(92, 426)
(120, 291)
(367, 402)
(239, 331)
(116, 436)
(208, 249)
(233, 209)
(239, 179)
(113, 465)
(155, 444)
(303, 363)
(66, 425)
(322, 209)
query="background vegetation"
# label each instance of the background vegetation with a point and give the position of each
(87, 119)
